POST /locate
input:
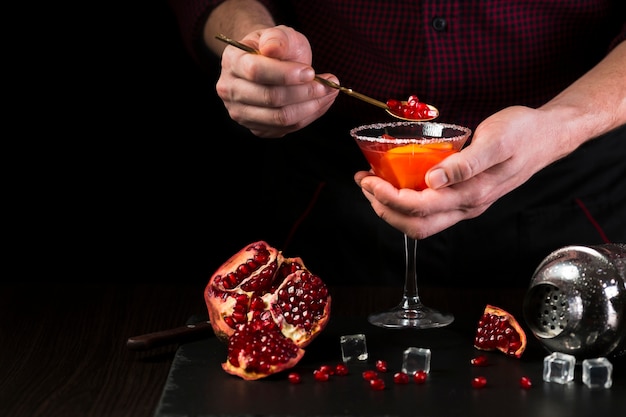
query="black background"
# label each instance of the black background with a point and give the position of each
(119, 154)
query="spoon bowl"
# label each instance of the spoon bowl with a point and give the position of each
(433, 114)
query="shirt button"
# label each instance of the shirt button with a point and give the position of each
(439, 24)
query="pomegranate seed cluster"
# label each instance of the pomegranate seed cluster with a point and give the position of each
(261, 346)
(413, 108)
(302, 301)
(495, 332)
(259, 258)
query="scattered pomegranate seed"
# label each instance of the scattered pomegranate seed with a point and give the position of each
(320, 375)
(370, 375)
(479, 382)
(479, 360)
(400, 378)
(294, 377)
(525, 382)
(420, 376)
(327, 369)
(377, 384)
(381, 366)
(341, 369)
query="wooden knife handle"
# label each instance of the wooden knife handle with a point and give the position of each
(181, 334)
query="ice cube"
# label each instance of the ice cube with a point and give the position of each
(559, 367)
(353, 348)
(597, 373)
(416, 359)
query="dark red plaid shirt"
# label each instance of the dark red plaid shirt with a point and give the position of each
(468, 58)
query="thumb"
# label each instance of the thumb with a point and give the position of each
(285, 44)
(456, 168)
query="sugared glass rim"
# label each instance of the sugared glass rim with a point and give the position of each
(465, 132)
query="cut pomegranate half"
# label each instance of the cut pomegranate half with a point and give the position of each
(267, 308)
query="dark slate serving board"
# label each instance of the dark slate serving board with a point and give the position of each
(198, 387)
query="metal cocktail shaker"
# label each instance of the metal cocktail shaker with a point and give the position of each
(576, 302)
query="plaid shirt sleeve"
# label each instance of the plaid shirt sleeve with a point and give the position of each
(191, 16)
(468, 58)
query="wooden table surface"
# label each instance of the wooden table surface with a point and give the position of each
(63, 346)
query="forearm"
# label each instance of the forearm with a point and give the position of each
(235, 19)
(592, 105)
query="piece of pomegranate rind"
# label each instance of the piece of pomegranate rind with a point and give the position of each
(499, 330)
(218, 320)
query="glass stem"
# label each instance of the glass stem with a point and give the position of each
(410, 299)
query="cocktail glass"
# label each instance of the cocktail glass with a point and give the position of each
(401, 153)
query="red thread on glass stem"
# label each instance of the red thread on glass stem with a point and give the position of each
(592, 220)
(304, 215)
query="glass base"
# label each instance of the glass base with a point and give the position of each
(411, 318)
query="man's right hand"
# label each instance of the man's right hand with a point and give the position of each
(274, 92)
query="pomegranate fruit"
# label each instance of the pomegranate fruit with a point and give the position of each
(267, 308)
(497, 329)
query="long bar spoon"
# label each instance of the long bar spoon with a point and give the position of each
(434, 112)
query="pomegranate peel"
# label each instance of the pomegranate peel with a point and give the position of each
(499, 330)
